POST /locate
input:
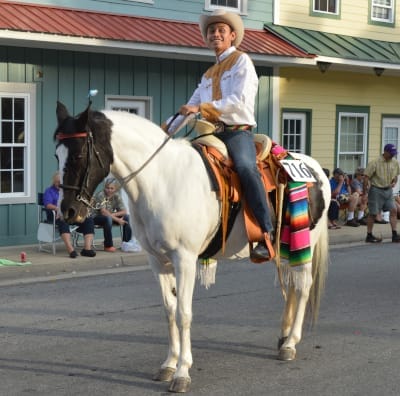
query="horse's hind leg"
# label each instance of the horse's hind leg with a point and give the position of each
(165, 276)
(293, 318)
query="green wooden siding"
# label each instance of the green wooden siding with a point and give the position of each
(67, 76)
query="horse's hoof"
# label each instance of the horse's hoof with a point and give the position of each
(180, 385)
(165, 374)
(281, 341)
(286, 354)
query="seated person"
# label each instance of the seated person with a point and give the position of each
(357, 186)
(382, 217)
(111, 210)
(340, 191)
(333, 215)
(333, 211)
(397, 203)
(50, 201)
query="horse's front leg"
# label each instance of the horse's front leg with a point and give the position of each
(165, 276)
(293, 317)
(185, 271)
(288, 315)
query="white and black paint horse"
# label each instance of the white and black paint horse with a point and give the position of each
(175, 215)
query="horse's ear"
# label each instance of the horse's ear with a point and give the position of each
(62, 112)
(84, 117)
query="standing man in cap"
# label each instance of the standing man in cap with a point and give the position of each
(226, 97)
(380, 176)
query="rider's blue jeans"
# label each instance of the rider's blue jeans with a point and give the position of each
(241, 148)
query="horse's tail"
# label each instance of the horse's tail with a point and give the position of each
(320, 260)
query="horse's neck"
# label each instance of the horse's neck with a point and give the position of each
(146, 165)
(134, 141)
(170, 196)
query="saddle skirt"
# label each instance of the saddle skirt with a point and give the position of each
(228, 189)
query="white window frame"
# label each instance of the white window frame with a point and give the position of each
(337, 8)
(375, 4)
(140, 105)
(241, 6)
(391, 124)
(28, 93)
(359, 157)
(298, 116)
(142, 1)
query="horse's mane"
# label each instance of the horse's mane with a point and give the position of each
(98, 122)
(102, 125)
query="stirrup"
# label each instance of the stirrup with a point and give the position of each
(270, 248)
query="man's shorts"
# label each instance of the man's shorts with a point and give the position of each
(380, 199)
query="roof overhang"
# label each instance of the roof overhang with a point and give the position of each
(153, 50)
(345, 53)
(50, 27)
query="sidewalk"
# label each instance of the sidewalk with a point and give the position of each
(356, 235)
(44, 264)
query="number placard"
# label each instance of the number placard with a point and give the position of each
(297, 170)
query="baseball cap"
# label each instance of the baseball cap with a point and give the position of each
(338, 171)
(391, 149)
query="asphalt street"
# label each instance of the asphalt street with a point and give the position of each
(105, 333)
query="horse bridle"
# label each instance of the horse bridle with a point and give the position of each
(83, 195)
(92, 150)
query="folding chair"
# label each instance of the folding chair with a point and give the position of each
(47, 231)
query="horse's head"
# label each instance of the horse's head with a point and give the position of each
(84, 156)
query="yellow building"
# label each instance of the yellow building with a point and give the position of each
(346, 107)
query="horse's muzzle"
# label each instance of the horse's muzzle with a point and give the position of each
(74, 213)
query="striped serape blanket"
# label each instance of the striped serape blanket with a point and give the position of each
(295, 239)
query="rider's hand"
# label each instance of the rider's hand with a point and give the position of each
(188, 109)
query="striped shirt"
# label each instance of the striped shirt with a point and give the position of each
(382, 173)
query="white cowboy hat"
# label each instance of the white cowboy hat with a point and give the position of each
(220, 15)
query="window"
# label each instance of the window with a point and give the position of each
(140, 105)
(294, 132)
(382, 11)
(231, 5)
(352, 138)
(17, 143)
(391, 134)
(326, 6)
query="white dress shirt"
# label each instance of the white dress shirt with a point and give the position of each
(239, 87)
